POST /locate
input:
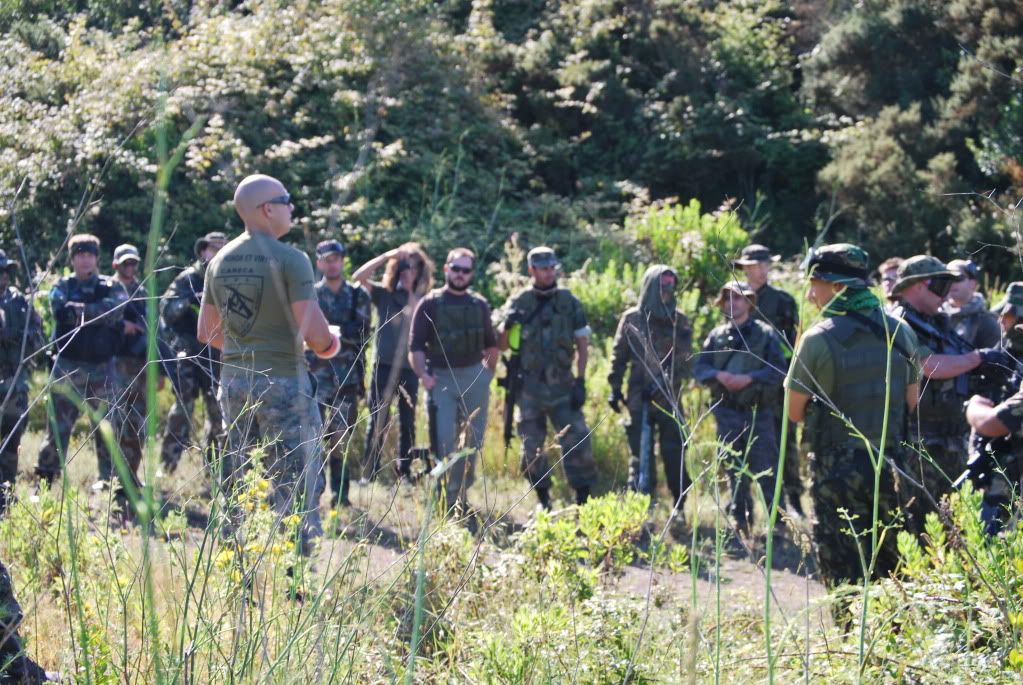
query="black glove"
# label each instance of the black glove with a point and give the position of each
(578, 393)
(615, 400)
(996, 357)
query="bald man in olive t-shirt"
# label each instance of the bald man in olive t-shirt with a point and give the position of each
(258, 307)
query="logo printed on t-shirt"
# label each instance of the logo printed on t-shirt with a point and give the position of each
(243, 295)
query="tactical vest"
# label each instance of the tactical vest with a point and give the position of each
(741, 355)
(458, 328)
(189, 284)
(135, 346)
(547, 340)
(940, 411)
(94, 343)
(860, 358)
(16, 318)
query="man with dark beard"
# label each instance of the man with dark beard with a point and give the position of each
(453, 351)
(546, 326)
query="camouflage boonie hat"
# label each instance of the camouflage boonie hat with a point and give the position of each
(842, 263)
(919, 268)
(204, 242)
(541, 257)
(739, 288)
(963, 269)
(1012, 303)
(754, 254)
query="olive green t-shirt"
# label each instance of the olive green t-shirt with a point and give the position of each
(813, 370)
(252, 282)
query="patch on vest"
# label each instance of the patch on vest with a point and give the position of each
(244, 295)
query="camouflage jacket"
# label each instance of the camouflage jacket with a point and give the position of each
(349, 310)
(179, 309)
(652, 338)
(134, 346)
(751, 348)
(778, 309)
(17, 314)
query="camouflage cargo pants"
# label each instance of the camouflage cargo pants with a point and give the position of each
(94, 384)
(752, 445)
(193, 379)
(664, 428)
(936, 466)
(12, 426)
(340, 410)
(533, 412)
(845, 480)
(278, 414)
(129, 406)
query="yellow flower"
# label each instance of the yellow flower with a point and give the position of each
(224, 557)
(292, 520)
(236, 576)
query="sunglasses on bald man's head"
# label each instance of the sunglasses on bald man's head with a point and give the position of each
(460, 269)
(284, 199)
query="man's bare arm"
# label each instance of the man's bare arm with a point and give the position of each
(941, 367)
(210, 330)
(312, 325)
(582, 355)
(797, 405)
(912, 396)
(982, 416)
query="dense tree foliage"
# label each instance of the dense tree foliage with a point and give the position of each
(467, 120)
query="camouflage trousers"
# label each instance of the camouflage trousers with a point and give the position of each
(130, 409)
(752, 443)
(533, 412)
(93, 384)
(15, 666)
(935, 467)
(192, 379)
(459, 401)
(279, 415)
(844, 480)
(670, 432)
(339, 408)
(12, 426)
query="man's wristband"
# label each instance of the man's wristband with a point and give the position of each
(332, 349)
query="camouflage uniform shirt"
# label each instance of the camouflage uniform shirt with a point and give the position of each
(349, 310)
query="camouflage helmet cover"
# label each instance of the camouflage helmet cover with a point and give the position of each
(842, 263)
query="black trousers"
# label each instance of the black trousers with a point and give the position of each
(390, 383)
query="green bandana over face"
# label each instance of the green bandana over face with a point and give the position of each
(851, 300)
